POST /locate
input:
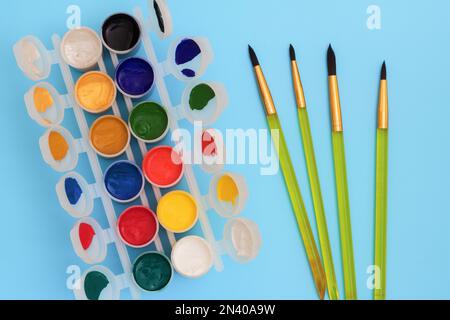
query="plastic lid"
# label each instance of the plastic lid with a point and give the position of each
(242, 239)
(58, 149)
(228, 194)
(160, 18)
(44, 105)
(33, 58)
(75, 195)
(98, 283)
(88, 241)
(204, 101)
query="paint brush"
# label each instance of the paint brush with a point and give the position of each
(314, 180)
(340, 171)
(381, 188)
(290, 179)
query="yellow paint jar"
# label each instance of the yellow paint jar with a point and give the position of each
(95, 92)
(177, 211)
(109, 136)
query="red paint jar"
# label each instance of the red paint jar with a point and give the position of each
(138, 226)
(163, 167)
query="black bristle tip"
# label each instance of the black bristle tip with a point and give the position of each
(253, 56)
(383, 71)
(331, 61)
(292, 53)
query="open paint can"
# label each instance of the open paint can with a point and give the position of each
(204, 101)
(45, 105)
(189, 58)
(95, 92)
(89, 241)
(109, 136)
(228, 194)
(138, 226)
(98, 283)
(123, 181)
(149, 122)
(75, 195)
(135, 77)
(242, 239)
(163, 167)
(177, 211)
(81, 48)
(152, 271)
(192, 257)
(121, 33)
(59, 149)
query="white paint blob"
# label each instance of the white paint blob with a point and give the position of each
(81, 48)
(242, 240)
(192, 257)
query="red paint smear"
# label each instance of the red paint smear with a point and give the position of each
(162, 166)
(137, 226)
(86, 234)
(209, 147)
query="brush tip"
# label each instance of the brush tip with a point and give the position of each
(331, 61)
(383, 71)
(292, 52)
(253, 57)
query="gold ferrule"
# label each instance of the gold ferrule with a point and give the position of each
(335, 105)
(298, 87)
(264, 90)
(383, 110)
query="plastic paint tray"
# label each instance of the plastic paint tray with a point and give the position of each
(60, 150)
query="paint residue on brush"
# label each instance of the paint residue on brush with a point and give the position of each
(43, 99)
(73, 190)
(94, 284)
(227, 190)
(201, 96)
(58, 146)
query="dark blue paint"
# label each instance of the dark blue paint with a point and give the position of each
(123, 180)
(187, 50)
(188, 73)
(135, 76)
(73, 190)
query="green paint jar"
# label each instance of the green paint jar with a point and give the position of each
(149, 122)
(152, 271)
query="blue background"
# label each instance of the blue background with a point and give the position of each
(34, 232)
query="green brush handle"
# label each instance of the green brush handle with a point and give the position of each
(298, 205)
(340, 170)
(381, 212)
(316, 192)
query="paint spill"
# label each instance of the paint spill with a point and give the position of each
(177, 211)
(159, 16)
(109, 136)
(123, 181)
(94, 283)
(152, 271)
(58, 146)
(137, 226)
(73, 190)
(43, 99)
(227, 190)
(149, 121)
(86, 234)
(163, 166)
(95, 91)
(135, 76)
(201, 96)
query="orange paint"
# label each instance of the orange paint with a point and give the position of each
(58, 145)
(95, 92)
(43, 100)
(109, 136)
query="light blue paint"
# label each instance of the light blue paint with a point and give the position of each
(413, 40)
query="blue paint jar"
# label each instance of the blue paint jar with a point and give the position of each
(123, 181)
(135, 77)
